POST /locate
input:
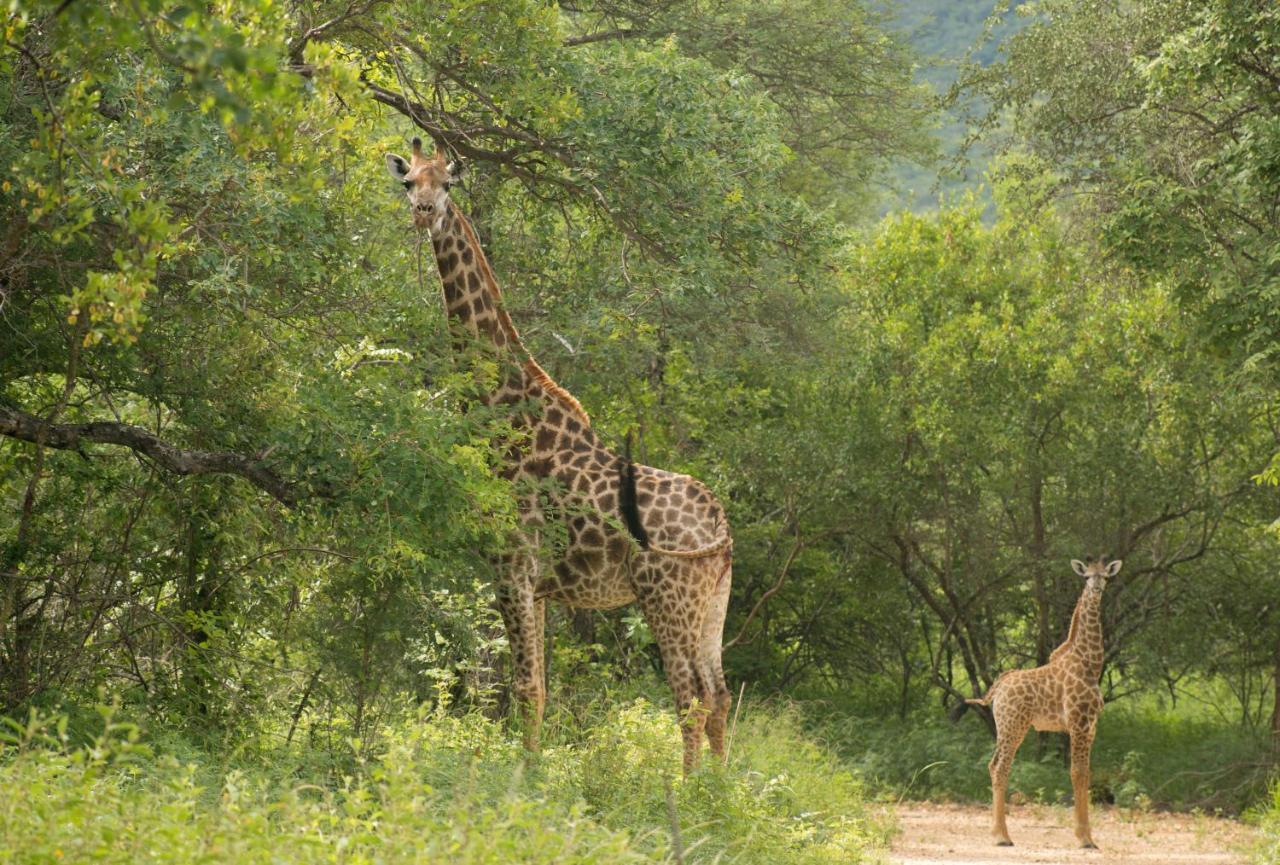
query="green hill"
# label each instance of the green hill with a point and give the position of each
(947, 34)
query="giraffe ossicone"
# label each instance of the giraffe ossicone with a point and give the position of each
(1060, 696)
(561, 471)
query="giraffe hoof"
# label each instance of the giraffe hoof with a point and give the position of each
(1089, 845)
(1004, 843)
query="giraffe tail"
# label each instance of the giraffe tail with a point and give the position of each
(986, 699)
(699, 553)
(631, 516)
(627, 498)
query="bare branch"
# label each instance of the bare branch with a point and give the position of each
(450, 138)
(25, 427)
(773, 590)
(299, 45)
(606, 35)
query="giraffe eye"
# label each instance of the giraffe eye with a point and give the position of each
(408, 184)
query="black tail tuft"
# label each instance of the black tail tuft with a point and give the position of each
(627, 498)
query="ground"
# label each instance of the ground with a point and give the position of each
(933, 834)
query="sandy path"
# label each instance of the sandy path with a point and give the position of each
(932, 834)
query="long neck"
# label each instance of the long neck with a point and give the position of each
(1084, 640)
(471, 294)
(473, 302)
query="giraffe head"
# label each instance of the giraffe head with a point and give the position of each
(1097, 572)
(426, 181)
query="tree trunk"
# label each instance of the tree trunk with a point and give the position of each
(1039, 554)
(904, 700)
(1275, 696)
(198, 603)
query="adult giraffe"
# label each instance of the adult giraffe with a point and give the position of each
(1061, 696)
(633, 533)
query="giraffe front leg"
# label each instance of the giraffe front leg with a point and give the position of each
(520, 613)
(540, 650)
(1008, 738)
(1081, 744)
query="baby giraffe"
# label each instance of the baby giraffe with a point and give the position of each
(1062, 696)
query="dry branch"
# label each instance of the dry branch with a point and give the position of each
(71, 436)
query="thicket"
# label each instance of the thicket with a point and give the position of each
(242, 484)
(442, 788)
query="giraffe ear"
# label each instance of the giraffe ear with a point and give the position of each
(1113, 568)
(456, 169)
(396, 166)
(1078, 567)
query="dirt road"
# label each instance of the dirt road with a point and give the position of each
(931, 834)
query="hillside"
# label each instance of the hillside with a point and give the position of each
(946, 34)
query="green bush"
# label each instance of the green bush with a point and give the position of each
(929, 758)
(442, 789)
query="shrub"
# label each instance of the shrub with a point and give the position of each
(1269, 850)
(442, 789)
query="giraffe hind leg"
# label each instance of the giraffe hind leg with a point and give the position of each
(1009, 735)
(664, 604)
(522, 616)
(710, 650)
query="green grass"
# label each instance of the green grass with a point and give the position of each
(1143, 756)
(459, 788)
(1268, 852)
(441, 789)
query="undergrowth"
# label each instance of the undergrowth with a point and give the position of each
(442, 788)
(1268, 852)
(1143, 756)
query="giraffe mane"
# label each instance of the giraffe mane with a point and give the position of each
(504, 321)
(1071, 634)
(550, 385)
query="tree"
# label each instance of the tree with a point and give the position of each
(202, 282)
(984, 406)
(1162, 116)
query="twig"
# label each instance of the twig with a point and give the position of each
(733, 727)
(620, 33)
(677, 845)
(782, 578)
(302, 705)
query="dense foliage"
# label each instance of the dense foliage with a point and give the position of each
(207, 258)
(443, 790)
(1166, 113)
(243, 497)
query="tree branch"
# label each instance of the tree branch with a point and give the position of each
(419, 114)
(298, 46)
(25, 427)
(606, 35)
(782, 578)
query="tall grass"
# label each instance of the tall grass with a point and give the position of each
(1268, 852)
(440, 789)
(1144, 755)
